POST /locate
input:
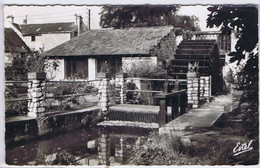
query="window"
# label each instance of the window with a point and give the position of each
(113, 64)
(32, 38)
(76, 68)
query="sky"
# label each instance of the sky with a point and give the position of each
(52, 14)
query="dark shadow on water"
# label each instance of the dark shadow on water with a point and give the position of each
(88, 146)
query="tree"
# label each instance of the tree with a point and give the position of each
(120, 17)
(244, 22)
(16, 70)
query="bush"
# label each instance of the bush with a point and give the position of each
(148, 70)
(61, 89)
(161, 150)
(62, 158)
(16, 108)
(170, 149)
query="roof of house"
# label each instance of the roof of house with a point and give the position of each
(36, 29)
(13, 43)
(208, 33)
(132, 41)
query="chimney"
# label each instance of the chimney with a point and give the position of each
(10, 19)
(78, 17)
(25, 20)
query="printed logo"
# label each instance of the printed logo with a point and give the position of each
(241, 148)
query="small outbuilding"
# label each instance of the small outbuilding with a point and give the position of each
(115, 49)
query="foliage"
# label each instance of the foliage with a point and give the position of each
(37, 62)
(16, 70)
(134, 97)
(62, 158)
(16, 108)
(120, 17)
(143, 69)
(158, 150)
(170, 149)
(104, 67)
(61, 89)
(231, 77)
(244, 21)
(32, 62)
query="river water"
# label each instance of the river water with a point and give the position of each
(88, 146)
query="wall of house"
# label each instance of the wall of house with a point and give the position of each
(47, 41)
(54, 39)
(165, 48)
(92, 68)
(57, 74)
(33, 45)
(128, 62)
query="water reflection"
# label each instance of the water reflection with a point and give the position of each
(90, 146)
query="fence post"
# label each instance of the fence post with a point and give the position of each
(104, 149)
(123, 88)
(104, 91)
(163, 112)
(183, 103)
(36, 92)
(205, 87)
(175, 107)
(193, 90)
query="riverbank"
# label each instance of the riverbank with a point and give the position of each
(25, 128)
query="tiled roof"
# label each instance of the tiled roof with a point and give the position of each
(132, 41)
(13, 43)
(35, 29)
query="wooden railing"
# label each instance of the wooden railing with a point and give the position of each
(178, 101)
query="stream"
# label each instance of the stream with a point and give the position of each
(98, 145)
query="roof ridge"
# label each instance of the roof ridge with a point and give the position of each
(45, 23)
(137, 40)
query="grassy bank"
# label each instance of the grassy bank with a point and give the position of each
(201, 149)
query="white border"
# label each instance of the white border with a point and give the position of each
(89, 2)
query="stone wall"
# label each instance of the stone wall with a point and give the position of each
(120, 148)
(104, 94)
(193, 92)
(28, 128)
(104, 149)
(118, 93)
(198, 89)
(36, 92)
(205, 87)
